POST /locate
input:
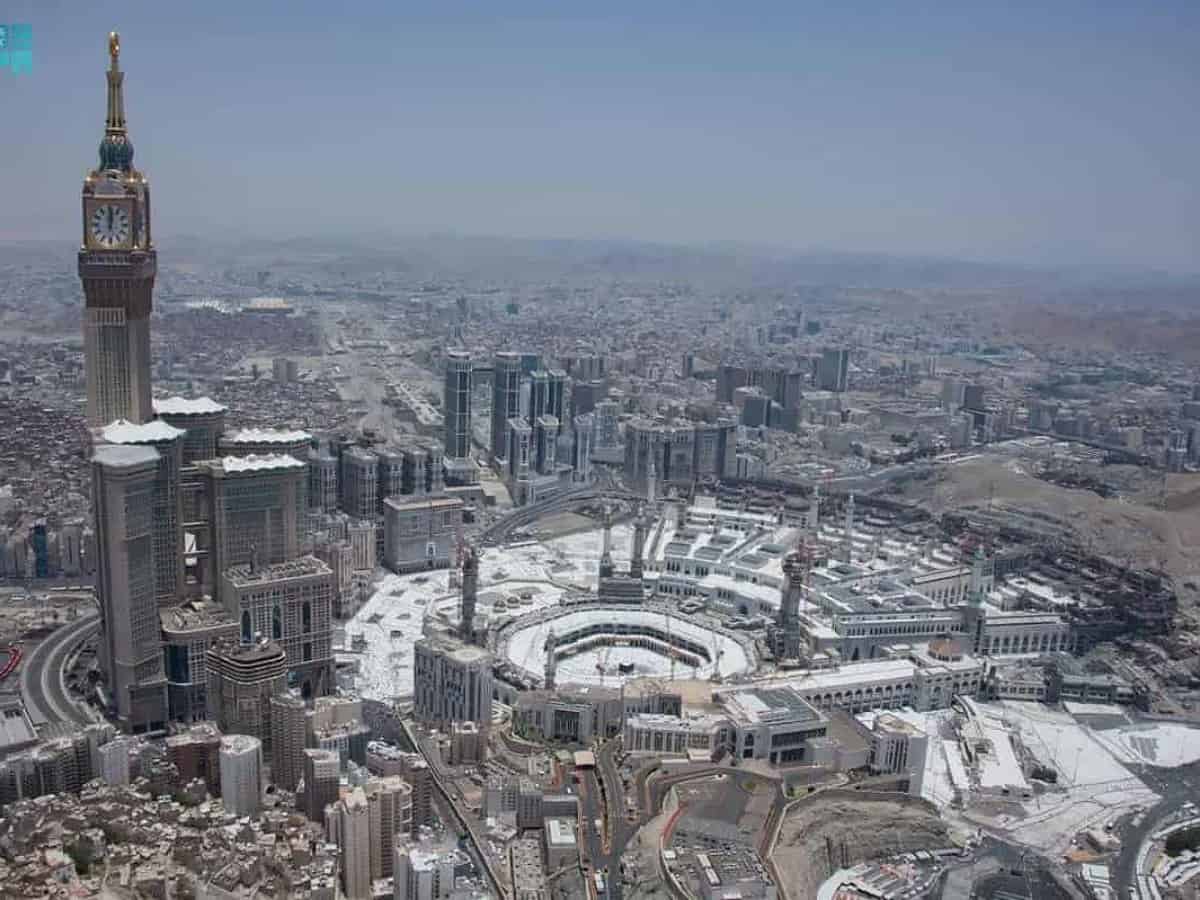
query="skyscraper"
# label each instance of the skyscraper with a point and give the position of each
(506, 399)
(359, 482)
(242, 678)
(168, 533)
(539, 395)
(241, 775)
(321, 770)
(117, 265)
(833, 372)
(289, 731)
(291, 603)
(390, 801)
(131, 649)
(354, 831)
(452, 682)
(456, 404)
(556, 395)
(255, 506)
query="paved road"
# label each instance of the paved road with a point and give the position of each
(448, 788)
(42, 685)
(498, 531)
(1177, 787)
(602, 798)
(593, 840)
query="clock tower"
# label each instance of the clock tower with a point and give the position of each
(117, 264)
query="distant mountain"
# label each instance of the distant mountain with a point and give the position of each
(717, 265)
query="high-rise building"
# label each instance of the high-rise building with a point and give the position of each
(385, 759)
(973, 395)
(421, 533)
(201, 419)
(452, 682)
(289, 737)
(506, 399)
(581, 446)
(585, 395)
(244, 442)
(168, 530)
(681, 452)
(545, 445)
(390, 805)
(292, 603)
(242, 678)
(556, 394)
(520, 441)
(420, 872)
(456, 404)
(254, 509)
(606, 437)
(389, 480)
(322, 770)
(117, 265)
(336, 723)
(241, 775)
(196, 753)
(833, 371)
(322, 480)
(114, 761)
(359, 482)
(189, 631)
(123, 479)
(354, 841)
(70, 538)
(729, 378)
(539, 395)
(423, 469)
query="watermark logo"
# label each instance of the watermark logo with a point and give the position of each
(16, 48)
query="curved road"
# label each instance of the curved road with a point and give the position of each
(42, 685)
(526, 515)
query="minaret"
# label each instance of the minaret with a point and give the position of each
(651, 479)
(636, 568)
(551, 660)
(982, 569)
(848, 532)
(470, 585)
(791, 595)
(975, 613)
(813, 519)
(117, 265)
(606, 563)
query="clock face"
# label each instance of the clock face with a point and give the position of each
(110, 225)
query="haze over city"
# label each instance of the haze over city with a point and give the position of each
(1057, 134)
(670, 453)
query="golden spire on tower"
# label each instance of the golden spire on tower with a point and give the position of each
(116, 150)
(115, 122)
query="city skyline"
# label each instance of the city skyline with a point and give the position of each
(964, 136)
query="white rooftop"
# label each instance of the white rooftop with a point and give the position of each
(265, 436)
(849, 675)
(187, 406)
(123, 431)
(260, 462)
(124, 455)
(560, 832)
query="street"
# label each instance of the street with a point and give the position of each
(42, 686)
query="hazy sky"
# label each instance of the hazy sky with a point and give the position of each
(1046, 132)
